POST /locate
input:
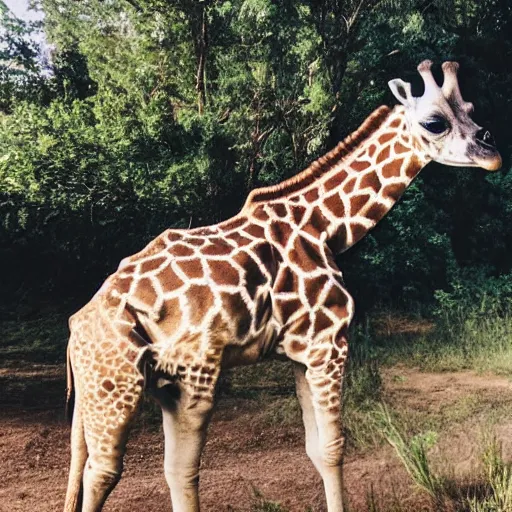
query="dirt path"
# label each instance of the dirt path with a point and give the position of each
(242, 456)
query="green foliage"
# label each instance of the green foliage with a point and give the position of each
(498, 478)
(475, 292)
(35, 341)
(261, 504)
(413, 454)
(471, 338)
(155, 114)
(490, 491)
(20, 69)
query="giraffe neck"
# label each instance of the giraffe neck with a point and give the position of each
(349, 190)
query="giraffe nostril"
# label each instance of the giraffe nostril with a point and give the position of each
(485, 136)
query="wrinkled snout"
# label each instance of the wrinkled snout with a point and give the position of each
(483, 151)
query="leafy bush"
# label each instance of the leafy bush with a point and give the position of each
(139, 122)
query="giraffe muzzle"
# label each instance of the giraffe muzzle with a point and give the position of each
(484, 153)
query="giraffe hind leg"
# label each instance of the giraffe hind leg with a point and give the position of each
(106, 401)
(107, 420)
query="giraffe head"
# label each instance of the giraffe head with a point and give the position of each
(440, 121)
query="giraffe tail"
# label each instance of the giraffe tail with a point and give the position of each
(79, 453)
(70, 391)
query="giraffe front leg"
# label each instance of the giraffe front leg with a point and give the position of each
(325, 387)
(186, 413)
(308, 415)
(319, 383)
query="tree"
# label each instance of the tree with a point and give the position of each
(158, 113)
(20, 66)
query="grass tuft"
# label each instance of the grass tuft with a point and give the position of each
(261, 504)
(488, 491)
(413, 453)
(497, 495)
(362, 391)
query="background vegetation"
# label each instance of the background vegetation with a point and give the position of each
(150, 114)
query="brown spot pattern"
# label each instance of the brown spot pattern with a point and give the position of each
(145, 292)
(376, 211)
(336, 301)
(267, 256)
(392, 170)
(108, 385)
(287, 280)
(254, 277)
(349, 186)
(263, 310)
(192, 268)
(311, 195)
(260, 213)
(357, 202)
(305, 255)
(223, 272)
(233, 223)
(239, 239)
(151, 264)
(413, 168)
(394, 191)
(235, 306)
(318, 357)
(371, 180)
(194, 240)
(386, 138)
(297, 346)
(360, 165)
(280, 209)
(298, 213)
(172, 316)
(336, 180)
(316, 224)
(181, 250)
(383, 155)
(314, 287)
(168, 279)
(358, 231)
(400, 148)
(200, 299)
(122, 284)
(300, 326)
(255, 230)
(287, 307)
(218, 247)
(338, 243)
(280, 232)
(335, 205)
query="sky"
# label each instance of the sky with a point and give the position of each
(20, 9)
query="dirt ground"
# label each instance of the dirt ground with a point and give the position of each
(242, 458)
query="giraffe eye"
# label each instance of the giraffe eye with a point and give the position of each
(435, 125)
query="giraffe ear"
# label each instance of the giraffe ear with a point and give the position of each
(401, 91)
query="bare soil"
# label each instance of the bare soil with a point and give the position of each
(244, 457)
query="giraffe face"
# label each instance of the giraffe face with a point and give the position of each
(440, 121)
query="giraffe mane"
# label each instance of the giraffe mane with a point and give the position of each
(322, 164)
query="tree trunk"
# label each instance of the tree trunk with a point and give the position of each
(202, 47)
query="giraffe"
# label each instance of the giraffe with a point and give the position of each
(259, 285)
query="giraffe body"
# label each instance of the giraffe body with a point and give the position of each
(259, 285)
